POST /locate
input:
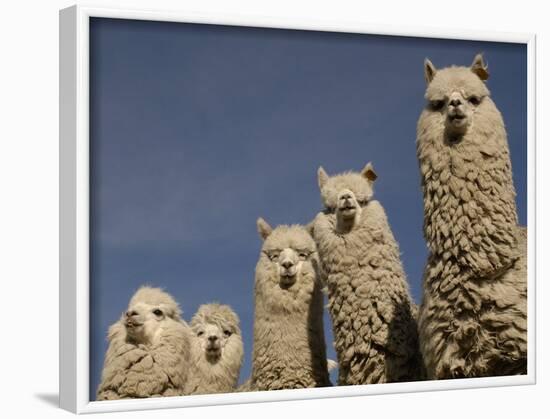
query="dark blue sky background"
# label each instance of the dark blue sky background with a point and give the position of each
(197, 130)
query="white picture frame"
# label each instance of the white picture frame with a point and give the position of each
(74, 211)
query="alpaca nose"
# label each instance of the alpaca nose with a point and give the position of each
(131, 313)
(212, 338)
(287, 264)
(345, 196)
(455, 102)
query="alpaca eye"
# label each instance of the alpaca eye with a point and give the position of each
(200, 333)
(157, 312)
(303, 255)
(227, 333)
(273, 256)
(474, 100)
(437, 104)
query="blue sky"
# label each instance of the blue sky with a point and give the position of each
(197, 130)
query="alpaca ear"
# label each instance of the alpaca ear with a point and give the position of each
(369, 173)
(264, 229)
(309, 228)
(480, 68)
(322, 177)
(429, 71)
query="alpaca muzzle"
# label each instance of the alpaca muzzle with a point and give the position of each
(287, 271)
(132, 323)
(287, 277)
(348, 209)
(456, 112)
(213, 349)
(347, 204)
(456, 116)
(131, 319)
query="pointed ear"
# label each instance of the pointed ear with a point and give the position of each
(369, 173)
(480, 68)
(309, 228)
(429, 71)
(264, 229)
(322, 177)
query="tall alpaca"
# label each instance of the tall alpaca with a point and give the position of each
(374, 329)
(289, 344)
(216, 350)
(473, 318)
(148, 352)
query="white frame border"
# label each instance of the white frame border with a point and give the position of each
(74, 209)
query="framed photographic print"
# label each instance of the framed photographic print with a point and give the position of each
(258, 209)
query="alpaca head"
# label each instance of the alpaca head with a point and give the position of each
(148, 313)
(455, 95)
(346, 194)
(287, 270)
(217, 332)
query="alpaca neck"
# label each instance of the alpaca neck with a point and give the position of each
(280, 328)
(209, 377)
(296, 337)
(346, 224)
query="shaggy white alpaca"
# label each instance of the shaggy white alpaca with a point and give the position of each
(148, 352)
(374, 329)
(289, 344)
(216, 350)
(473, 319)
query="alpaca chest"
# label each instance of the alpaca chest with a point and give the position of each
(476, 327)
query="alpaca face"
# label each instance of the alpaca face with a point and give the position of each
(288, 253)
(454, 97)
(346, 194)
(212, 339)
(149, 310)
(143, 322)
(456, 106)
(288, 262)
(217, 333)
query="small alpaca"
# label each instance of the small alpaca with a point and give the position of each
(216, 350)
(149, 348)
(374, 327)
(473, 318)
(289, 344)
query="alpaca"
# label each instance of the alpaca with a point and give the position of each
(149, 349)
(216, 350)
(289, 345)
(473, 318)
(372, 312)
